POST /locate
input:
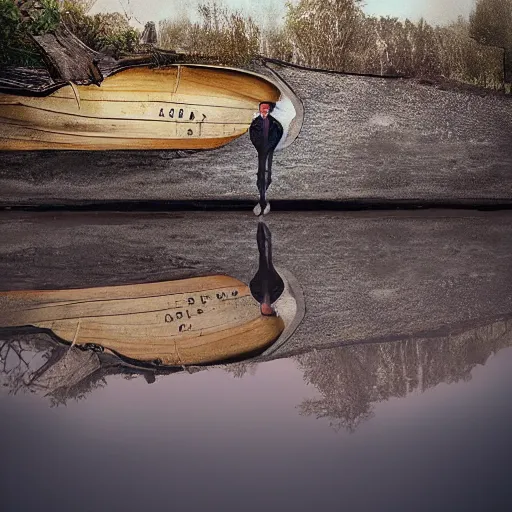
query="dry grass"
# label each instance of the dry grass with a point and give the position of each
(337, 35)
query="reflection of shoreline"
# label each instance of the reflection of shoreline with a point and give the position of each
(352, 379)
(349, 379)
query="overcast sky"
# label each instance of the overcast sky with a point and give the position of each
(434, 11)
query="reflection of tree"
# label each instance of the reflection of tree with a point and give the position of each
(239, 370)
(34, 363)
(351, 379)
(344, 385)
(18, 360)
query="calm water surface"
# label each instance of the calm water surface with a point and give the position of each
(415, 425)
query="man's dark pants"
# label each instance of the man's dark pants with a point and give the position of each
(264, 171)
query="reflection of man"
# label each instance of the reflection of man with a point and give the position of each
(266, 286)
(265, 132)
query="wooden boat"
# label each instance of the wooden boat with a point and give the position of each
(190, 321)
(142, 108)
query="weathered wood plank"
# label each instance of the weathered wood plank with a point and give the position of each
(69, 59)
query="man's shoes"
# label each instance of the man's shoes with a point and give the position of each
(261, 208)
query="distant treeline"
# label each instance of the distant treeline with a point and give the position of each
(328, 34)
(338, 35)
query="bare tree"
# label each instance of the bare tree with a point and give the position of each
(322, 31)
(491, 25)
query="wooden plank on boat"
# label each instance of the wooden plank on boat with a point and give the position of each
(190, 321)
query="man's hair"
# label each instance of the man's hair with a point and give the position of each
(271, 104)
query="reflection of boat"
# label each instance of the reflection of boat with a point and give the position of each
(174, 107)
(190, 321)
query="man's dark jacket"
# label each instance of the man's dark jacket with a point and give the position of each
(275, 132)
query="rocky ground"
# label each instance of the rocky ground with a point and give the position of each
(362, 138)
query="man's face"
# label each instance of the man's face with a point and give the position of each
(264, 109)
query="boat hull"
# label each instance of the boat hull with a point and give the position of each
(191, 321)
(179, 107)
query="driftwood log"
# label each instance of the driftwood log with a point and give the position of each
(68, 59)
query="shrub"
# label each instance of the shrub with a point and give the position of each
(16, 47)
(103, 32)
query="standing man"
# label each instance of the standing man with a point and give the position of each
(265, 132)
